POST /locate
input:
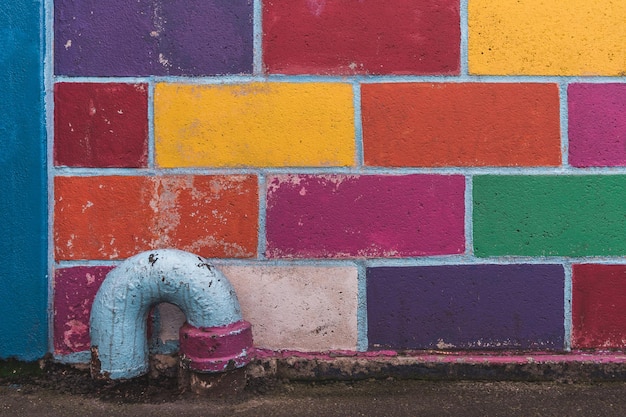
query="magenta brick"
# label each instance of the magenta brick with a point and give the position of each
(361, 37)
(597, 124)
(74, 291)
(342, 216)
(101, 125)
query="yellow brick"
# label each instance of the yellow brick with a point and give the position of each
(547, 37)
(257, 124)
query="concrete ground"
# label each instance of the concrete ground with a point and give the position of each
(364, 398)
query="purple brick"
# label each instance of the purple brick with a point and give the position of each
(74, 291)
(466, 307)
(342, 216)
(597, 124)
(152, 37)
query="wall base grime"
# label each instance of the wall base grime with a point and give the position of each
(296, 366)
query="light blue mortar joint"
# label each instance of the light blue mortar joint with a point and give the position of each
(358, 125)
(564, 118)
(362, 340)
(118, 324)
(464, 64)
(567, 319)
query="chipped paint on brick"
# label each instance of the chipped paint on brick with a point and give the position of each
(213, 216)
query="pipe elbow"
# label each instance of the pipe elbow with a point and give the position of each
(118, 322)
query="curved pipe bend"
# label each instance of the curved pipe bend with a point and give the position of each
(118, 323)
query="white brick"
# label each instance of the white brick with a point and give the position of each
(304, 308)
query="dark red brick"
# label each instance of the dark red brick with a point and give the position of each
(598, 300)
(101, 125)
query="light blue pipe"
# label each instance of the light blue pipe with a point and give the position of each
(120, 310)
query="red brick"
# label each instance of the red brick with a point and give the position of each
(117, 217)
(461, 124)
(598, 300)
(100, 125)
(361, 37)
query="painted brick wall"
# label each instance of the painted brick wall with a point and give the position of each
(408, 174)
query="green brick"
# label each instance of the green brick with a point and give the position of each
(549, 215)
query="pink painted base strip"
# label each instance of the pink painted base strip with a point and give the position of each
(454, 357)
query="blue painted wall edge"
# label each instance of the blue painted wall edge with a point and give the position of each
(23, 189)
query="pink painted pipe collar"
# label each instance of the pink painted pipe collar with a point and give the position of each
(216, 349)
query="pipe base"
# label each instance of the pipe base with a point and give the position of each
(216, 349)
(224, 384)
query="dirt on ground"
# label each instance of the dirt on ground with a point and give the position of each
(51, 389)
(48, 375)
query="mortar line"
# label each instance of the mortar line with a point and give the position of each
(358, 126)
(502, 260)
(257, 37)
(261, 233)
(90, 79)
(361, 322)
(567, 308)
(464, 46)
(564, 120)
(469, 215)
(151, 141)
(229, 261)
(48, 75)
(362, 79)
(86, 263)
(81, 357)
(390, 171)
(445, 260)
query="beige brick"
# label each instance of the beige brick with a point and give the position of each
(304, 308)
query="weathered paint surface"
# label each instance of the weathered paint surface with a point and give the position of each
(118, 322)
(364, 216)
(101, 125)
(547, 37)
(304, 308)
(597, 124)
(74, 291)
(23, 224)
(117, 216)
(598, 299)
(461, 124)
(144, 37)
(272, 124)
(466, 307)
(335, 148)
(357, 37)
(549, 215)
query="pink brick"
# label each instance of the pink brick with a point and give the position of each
(74, 291)
(342, 216)
(597, 124)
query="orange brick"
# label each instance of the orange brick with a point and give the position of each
(461, 124)
(116, 217)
